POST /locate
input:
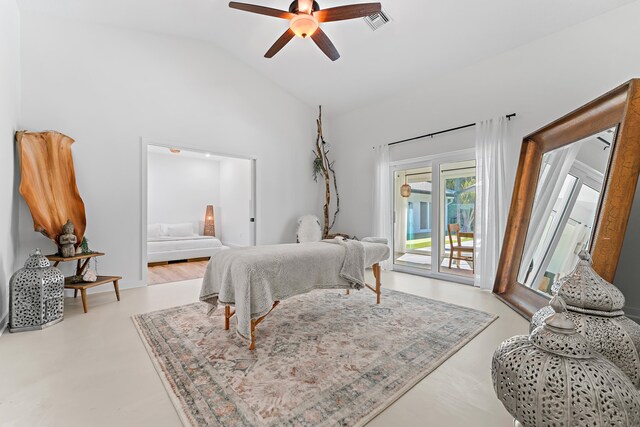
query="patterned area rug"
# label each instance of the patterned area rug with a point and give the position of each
(321, 359)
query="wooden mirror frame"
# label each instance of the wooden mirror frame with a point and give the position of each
(621, 108)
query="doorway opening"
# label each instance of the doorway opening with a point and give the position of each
(197, 204)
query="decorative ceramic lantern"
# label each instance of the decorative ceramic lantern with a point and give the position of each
(554, 378)
(37, 295)
(595, 306)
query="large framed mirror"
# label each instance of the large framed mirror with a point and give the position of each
(574, 190)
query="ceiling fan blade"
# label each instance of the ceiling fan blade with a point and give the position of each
(261, 10)
(325, 45)
(352, 11)
(280, 43)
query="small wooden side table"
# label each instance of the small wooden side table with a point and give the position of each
(83, 286)
(82, 260)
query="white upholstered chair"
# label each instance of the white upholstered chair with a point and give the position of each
(309, 229)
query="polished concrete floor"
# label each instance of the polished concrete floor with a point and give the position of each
(92, 369)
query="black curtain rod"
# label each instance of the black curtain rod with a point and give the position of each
(508, 116)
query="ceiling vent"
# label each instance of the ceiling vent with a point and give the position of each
(377, 20)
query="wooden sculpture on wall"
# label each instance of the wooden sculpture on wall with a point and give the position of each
(48, 183)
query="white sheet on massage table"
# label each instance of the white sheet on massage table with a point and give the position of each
(261, 275)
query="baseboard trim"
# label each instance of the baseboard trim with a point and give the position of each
(178, 261)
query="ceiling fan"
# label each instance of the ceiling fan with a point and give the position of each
(305, 17)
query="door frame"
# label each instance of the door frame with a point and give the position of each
(144, 150)
(434, 161)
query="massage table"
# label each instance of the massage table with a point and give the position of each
(250, 282)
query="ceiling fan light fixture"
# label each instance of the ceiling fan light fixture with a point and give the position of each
(304, 25)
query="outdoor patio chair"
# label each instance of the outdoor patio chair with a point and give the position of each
(461, 250)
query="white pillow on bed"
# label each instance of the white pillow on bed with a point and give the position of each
(180, 230)
(154, 231)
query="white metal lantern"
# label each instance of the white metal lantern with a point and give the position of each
(554, 378)
(36, 295)
(595, 306)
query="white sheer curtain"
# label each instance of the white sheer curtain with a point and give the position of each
(553, 172)
(382, 199)
(492, 202)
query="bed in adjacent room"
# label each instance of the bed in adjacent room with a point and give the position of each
(173, 242)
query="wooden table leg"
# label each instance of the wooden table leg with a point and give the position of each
(347, 293)
(117, 288)
(256, 322)
(227, 315)
(83, 293)
(253, 335)
(376, 272)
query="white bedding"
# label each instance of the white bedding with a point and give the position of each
(173, 248)
(192, 237)
(163, 244)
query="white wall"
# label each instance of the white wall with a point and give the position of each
(540, 82)
(235, 197)
(179, 188)
(9, 116)
(107, 87)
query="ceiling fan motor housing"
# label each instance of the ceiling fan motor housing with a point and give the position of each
(293, 8)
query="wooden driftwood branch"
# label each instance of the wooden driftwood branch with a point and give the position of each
(48, 183)
(322, 166)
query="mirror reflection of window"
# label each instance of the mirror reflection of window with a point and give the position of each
(553, 223)
(564, 211)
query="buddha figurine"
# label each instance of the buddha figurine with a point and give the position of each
(67, 240)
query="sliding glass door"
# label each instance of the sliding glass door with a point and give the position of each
(457, 218)
(433, 216)
(413, 217)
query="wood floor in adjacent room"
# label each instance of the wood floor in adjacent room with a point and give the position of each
(93, 370)
(176, 272)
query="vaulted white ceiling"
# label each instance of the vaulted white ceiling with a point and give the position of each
(426, 39)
